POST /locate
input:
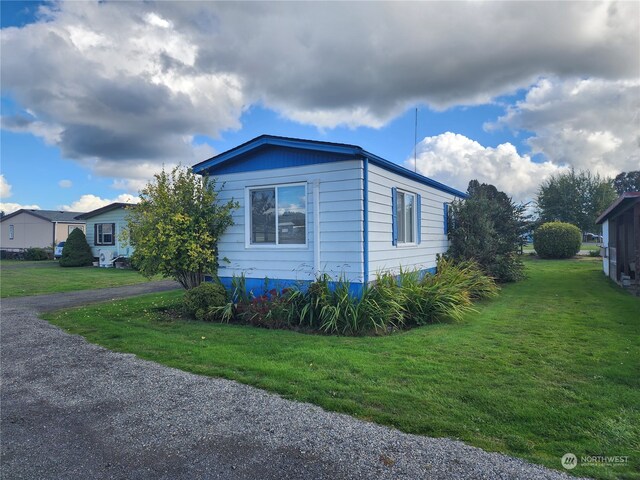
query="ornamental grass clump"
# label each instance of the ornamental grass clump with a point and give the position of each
(392, 302)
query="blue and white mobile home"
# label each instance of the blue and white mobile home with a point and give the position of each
(310, 207)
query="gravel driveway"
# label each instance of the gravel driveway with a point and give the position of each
(71, 410)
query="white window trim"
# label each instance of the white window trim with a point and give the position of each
(413, 243)
(247, 219)
(99, 242)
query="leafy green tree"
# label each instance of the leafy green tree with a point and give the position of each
(176, 227)
(76, 251)
(627, 182)
(488, 228)
(575, 197)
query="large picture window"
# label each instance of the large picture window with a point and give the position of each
(278, 215)
(105, 234)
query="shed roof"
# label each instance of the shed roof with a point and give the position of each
(210, 165)
(106, 208)
(51, 215)
(622, 202)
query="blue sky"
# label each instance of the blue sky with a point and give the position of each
(111, 92)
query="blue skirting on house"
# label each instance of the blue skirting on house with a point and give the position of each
(260, 286)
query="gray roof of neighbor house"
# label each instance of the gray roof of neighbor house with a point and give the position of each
(106, 208)
(51, 215)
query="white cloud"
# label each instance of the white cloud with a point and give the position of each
(12, 207)
(591, 124)
(65, 183)
(5, 187)
(87, 203)
(125, 80)
(123, 87)
(454, 159)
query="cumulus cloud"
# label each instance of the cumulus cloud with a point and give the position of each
(454, 159)
(591, 124)
(5, 187)
(89, 202)
(12, 207)
(65, 183)
(5, 192)
(117, 85)
(125, 80)
(114, 83)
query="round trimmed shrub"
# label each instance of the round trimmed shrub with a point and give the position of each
(557, 240)
(76, 251)
(200, 302)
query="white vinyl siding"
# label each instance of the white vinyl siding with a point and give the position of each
(341, 224)
(383, 256)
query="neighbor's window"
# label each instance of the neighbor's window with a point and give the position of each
(278, 215)
(71, 228)
(105, 234)
(406, 217)
(10, 232)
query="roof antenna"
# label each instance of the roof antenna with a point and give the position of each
(415, 145)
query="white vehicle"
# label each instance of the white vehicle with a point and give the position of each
(58, 250)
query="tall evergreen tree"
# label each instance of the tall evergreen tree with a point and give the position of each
(76, 251)
(488, 228)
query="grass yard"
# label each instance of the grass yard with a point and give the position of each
(585, 246)
(551, 366)
(20, 278)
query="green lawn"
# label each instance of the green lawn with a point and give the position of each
(585, 246)
(549, 367)
(20, 278)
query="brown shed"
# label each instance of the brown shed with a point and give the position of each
(621, 239)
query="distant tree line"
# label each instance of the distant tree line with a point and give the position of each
(490, 228)
(574, 197)
(627, 182)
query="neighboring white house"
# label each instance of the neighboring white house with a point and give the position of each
(27, 228)
(104, 226)
(309, 207)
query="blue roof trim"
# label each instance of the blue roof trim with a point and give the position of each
(215, 163)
